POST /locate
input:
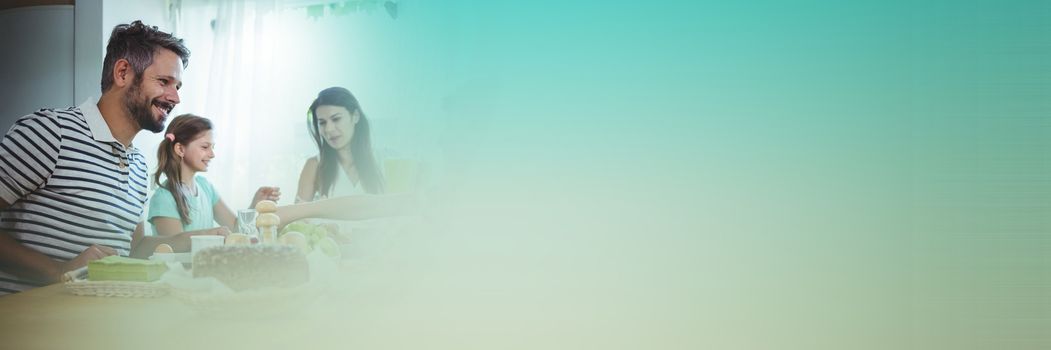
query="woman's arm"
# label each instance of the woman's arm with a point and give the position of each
(307, 184)
(359, 207)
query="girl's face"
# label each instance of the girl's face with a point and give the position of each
(198, 153)
(336, 125)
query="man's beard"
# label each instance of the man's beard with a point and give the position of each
(140, 111)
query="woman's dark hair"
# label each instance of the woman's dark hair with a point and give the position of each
(360, 144)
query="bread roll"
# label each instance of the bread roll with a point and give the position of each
(267, 219)
(237, 238)
(266, 206)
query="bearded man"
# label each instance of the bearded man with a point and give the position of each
(72, 185)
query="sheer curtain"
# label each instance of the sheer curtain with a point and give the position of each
(241, 77)
(256, 66)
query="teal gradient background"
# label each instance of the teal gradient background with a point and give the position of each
(756, 175)
(722, 175)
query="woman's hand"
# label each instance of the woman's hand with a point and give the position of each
(265, 193)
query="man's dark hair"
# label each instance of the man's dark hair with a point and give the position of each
(136, 43)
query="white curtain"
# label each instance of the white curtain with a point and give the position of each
(236, 79)
(256, 66)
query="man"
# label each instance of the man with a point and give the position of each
(72, 185)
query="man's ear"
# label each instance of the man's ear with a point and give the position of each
(123, 75)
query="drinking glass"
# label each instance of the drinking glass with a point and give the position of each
(246, 222)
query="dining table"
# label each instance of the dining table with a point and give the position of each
(357, 304)
(52, 317)
(429, 290)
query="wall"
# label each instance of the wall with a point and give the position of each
(37, 68)
(60, 64)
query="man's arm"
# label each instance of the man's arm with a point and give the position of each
(17, 259)
(40, 132)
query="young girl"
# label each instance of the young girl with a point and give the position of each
(345, 164)
(186, 203)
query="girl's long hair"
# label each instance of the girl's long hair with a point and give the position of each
(183, 129)
(360, 144)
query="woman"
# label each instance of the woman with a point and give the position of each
(345, 164)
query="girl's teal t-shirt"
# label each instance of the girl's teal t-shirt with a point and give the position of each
(162, 204)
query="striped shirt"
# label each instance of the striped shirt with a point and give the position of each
(69, 184)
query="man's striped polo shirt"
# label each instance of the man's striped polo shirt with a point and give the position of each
(69, 184)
